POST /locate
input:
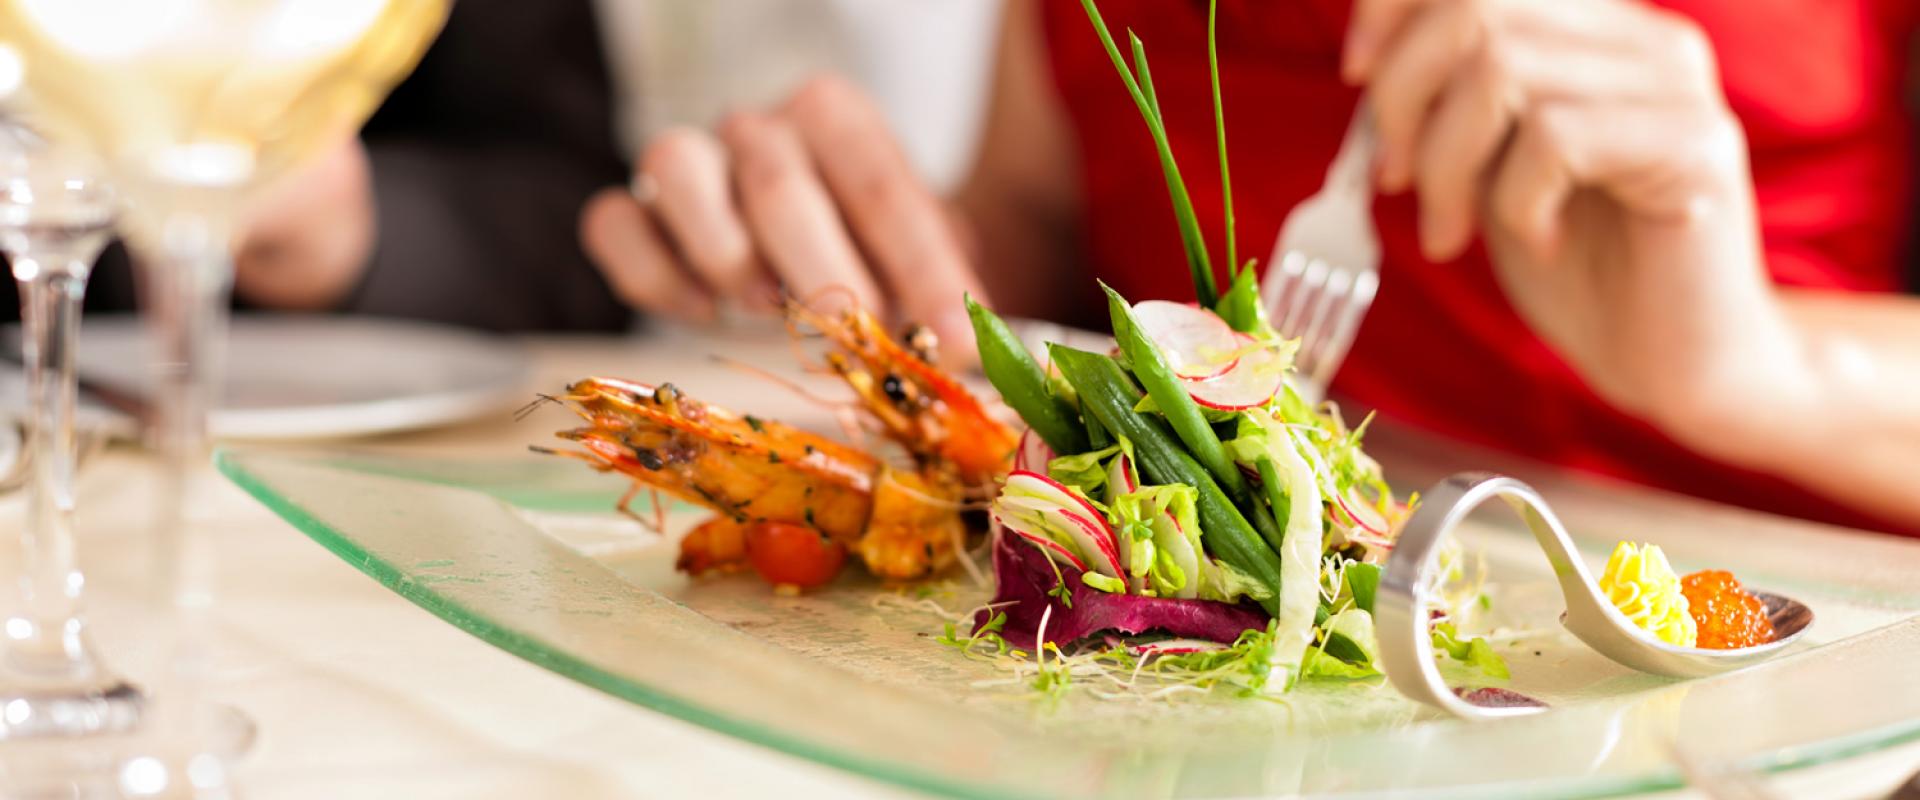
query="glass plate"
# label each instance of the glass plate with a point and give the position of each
(525, 555)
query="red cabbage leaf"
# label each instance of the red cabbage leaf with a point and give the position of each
(1024, 578)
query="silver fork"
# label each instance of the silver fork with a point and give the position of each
(1325, 267)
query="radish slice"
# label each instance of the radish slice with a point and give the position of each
(1364, 516)
(1061, 510)
(1095, 533)
(1051, 548)
(1254, 379)
(1032, 454)
(1034, 484)
(1197, 344)
(1092, 540)
(1171, 647)
(1171, 539)
(1121, 479)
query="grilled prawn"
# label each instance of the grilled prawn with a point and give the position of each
(753, 472)
(916, 403)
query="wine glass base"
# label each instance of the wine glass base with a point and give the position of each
(31, 715)
(131, 762)
(228, 731)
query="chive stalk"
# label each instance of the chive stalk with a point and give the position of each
(1220, 133)
(1198, 262)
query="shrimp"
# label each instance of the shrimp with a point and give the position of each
(902, 525)
(929, 413)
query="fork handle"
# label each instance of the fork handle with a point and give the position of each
(1352, 163)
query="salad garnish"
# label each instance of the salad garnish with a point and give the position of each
(1177, 506)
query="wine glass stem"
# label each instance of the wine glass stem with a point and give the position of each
(186, 285)
(53, 644)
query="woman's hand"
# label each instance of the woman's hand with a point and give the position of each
(1590, 142)
(308, 239)
(815, 195)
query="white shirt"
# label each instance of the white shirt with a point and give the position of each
(689, 62)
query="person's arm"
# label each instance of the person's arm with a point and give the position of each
(1856, 434)
(1590, 144)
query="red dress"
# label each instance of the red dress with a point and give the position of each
(1441, 347)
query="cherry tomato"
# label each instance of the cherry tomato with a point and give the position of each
(786, 554)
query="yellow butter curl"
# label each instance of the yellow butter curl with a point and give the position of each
(1640, 582)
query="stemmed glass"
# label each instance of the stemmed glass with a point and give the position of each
(55, 216)
(193, 105)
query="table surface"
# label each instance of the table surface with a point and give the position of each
(359, 693)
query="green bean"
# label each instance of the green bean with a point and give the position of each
(1097, 436)
(1240, 304)
(1021, 382)
(1171, 398)
(1277, 497)
(1107, 394)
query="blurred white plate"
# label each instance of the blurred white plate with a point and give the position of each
(310, 377)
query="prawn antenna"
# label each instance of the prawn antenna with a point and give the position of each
(527, 410)
(781, 382)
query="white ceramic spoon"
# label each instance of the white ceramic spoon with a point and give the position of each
(1402, 605)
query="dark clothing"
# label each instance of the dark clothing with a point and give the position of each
(481, 161)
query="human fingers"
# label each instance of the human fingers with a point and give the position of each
(1660, 163)
(1412, 71)
(1373, 23)
(692, 197)
(639, 265)
(1591, 50)
(902, 225)
(1462, 135)
(309, 239)
(798, 228)
(1549, 70)
(1530, 185)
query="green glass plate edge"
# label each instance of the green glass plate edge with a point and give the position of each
(334, 541)
(572, 668)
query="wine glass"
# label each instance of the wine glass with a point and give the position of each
(55, 216)
(193, 105)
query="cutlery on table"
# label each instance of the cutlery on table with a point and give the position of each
(1402, 606)
(1325, 267)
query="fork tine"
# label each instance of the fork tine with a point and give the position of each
(1339, 339)
(1312, 277)
(1327, 305)
(1283, 285)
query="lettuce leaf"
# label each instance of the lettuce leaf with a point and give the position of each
(1226, 583)
(1320, 665)
(1264, 437)
(1473, 652)
(1084, 471)
(1363, 582)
